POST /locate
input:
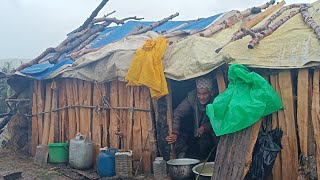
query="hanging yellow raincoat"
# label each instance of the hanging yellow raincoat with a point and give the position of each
(146, 67)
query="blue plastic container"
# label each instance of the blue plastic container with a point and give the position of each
(106, 162)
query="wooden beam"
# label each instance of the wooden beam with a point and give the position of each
(106, 117)
(220, 80)
(234, 152)
(54, 124)
(287, 122)
(35, 132)
(137, 134)
(40, 107)
(145, 133)
(303, 109)
(129, 132)
(263, 15)
(71, 111)
(277, 169)
(316, 115)
(113, 129)
(76, 101)
(63, 114)
(47, 118)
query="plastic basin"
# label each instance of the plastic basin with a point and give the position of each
(58, 152)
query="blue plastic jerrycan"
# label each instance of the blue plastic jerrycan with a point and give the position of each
(106, 162)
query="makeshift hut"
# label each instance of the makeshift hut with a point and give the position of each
(79, 85)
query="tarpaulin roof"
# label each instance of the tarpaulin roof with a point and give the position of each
(111, 35)
(293, 45)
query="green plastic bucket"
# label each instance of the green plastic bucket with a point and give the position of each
(58, 152)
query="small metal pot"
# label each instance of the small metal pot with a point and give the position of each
(207, 170)
(182, 168)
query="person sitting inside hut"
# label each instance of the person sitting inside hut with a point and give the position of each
(203, 139)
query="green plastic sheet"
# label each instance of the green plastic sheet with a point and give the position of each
(247, 98)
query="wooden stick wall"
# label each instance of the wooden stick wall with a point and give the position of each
(72, 106)
(299, 119)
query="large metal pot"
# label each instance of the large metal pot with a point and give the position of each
(206, 173)
(182, 168)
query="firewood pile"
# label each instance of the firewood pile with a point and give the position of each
(76, 44)
(272, 24)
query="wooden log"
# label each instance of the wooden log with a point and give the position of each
(54, 123)
(289, 156)
(71, 111)
(277, 169)
(263, 15)
(145, 133)
(252, 140)
(40, 107)
(303, 109)
(47, 118)
(63, 113)
(170, 117)
(307, 18)
(137, 139)
(35, 130)
(105, 118)
(122, 114)
(233, 153)
(220, 80)
(147, 28)
(76, 101)
(130, 116)
(151, 126)
(160, 111)
(316, 115)
(259, 36)
(114, 116)
(92, 16)
(85, 92)
(98, 116)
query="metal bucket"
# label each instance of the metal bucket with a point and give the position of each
(207, 170)
(182, 168)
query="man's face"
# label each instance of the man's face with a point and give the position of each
(204, 95)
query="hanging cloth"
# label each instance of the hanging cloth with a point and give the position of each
(146, 67)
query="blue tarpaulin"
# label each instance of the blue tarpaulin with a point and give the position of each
(113, 34)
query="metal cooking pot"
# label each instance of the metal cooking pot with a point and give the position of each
(207, 170)
(182, 168)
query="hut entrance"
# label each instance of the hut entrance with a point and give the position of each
(187, 144)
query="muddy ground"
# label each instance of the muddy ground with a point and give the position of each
(12, 161)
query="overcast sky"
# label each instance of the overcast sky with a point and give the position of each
(28, 27)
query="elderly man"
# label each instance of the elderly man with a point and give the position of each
(202, 137)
